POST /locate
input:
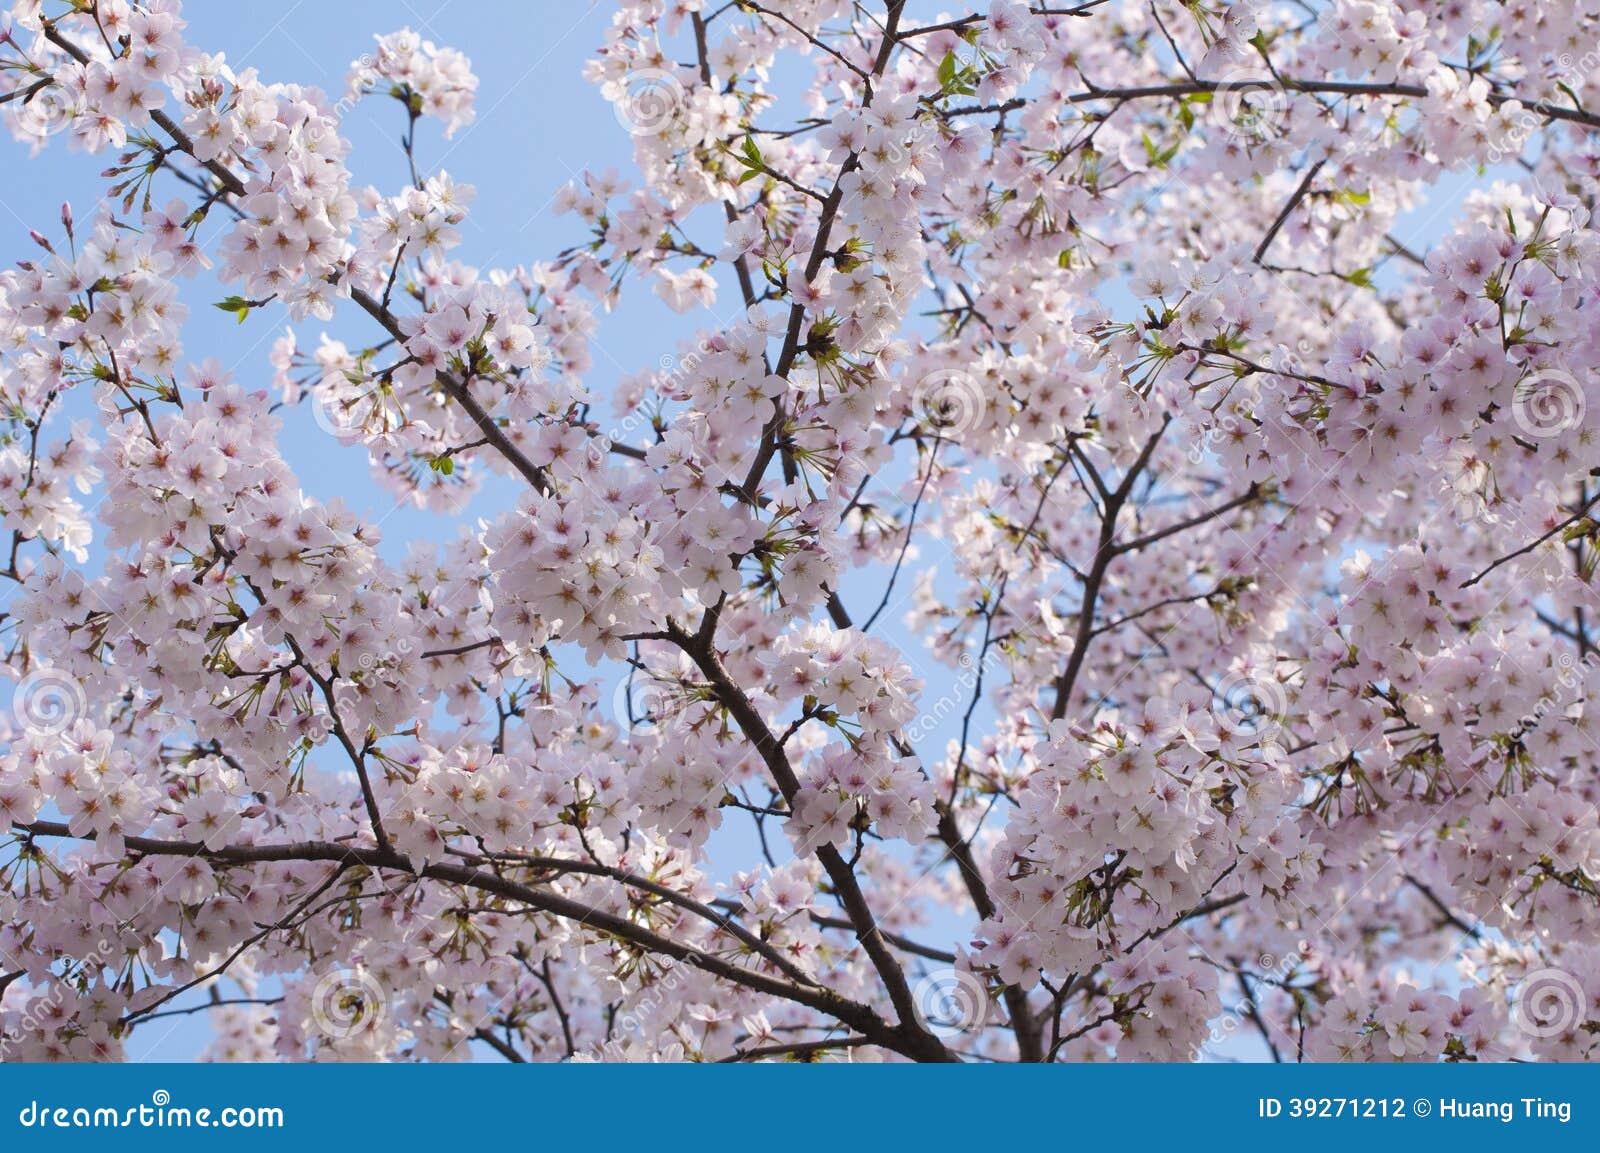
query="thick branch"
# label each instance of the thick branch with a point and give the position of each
(852, 1013)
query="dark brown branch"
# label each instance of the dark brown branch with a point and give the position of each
(1530, 546)
(1288, 210)
(797, 1049)
(846, 887)
(1287, 83)
(856, 1015)
(1105, 553)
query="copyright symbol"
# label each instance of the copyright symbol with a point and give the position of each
(1422, 1107)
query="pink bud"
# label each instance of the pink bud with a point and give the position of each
(66, 216)
(39, 239)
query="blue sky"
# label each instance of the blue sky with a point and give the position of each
(538, 125)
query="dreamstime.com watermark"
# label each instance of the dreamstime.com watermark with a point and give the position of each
(159, 1113)
(628, 1027)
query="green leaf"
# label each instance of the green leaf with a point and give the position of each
(235, 304)
(955, 78)
(751, 159)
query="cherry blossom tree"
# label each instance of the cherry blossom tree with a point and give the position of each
(1241, 552)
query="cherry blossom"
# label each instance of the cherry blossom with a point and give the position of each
(1088, 569)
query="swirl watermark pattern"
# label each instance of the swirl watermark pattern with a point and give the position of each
(1250, 704)
(950, 1002)
(950, 401)
(1548, 403)
(649, 100)
(48, 702)
(1549, 1002)
(346, 1003)
(45, 113)
(348, 415)
(1249, 107)
(643, 703)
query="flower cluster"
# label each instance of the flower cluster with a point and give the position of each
(429, 80)
(1086, 514)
